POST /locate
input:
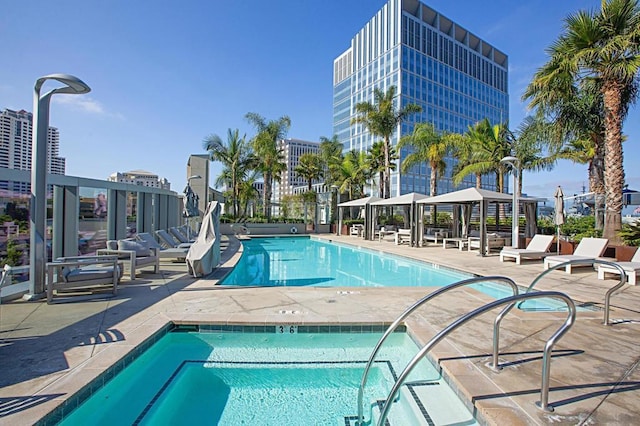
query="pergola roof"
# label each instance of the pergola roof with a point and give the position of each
(410, 198)
(360, 202)
(473, 195)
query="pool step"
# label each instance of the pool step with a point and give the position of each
(409, 410)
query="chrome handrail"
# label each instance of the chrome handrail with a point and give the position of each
(608, 294)
(415, 306)
(546, 361)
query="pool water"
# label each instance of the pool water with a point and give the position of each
(269, 379)
(301, 261)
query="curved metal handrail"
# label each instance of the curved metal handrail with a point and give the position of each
(415, 306)
(511, 300)
(608, 294)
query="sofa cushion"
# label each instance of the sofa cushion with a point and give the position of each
(140, 247)
(112, 244)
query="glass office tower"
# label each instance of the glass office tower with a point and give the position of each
(457, 78)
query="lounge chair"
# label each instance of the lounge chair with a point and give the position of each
(164, 253)
(179, 235)
(83, 273)
(136, 254)
(403, 235)
(356, 230)
(435, 234)
(536, 249)
(631, 269)
(494, 241)
(167, 241)
(589, 248)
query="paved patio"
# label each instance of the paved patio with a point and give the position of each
(48, 352)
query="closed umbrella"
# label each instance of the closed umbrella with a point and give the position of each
(190, 206)
(558, 217)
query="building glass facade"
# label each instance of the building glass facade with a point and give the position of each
(457, 78)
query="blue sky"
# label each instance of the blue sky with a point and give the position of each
(166, 74)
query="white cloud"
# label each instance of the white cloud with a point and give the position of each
(85, 104)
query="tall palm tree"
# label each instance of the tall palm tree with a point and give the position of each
(375, 159)
(354, 173)
(382, 119)
(487, 145)
(603, 45)
(270, 156)
(430, 147)
(528, 147)
(331, 154)
(237, 160)
(309, 168)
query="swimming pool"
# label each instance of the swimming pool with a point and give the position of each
(308, 377)
(301, 261)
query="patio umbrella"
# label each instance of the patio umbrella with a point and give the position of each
(190, 207)
(558, 217)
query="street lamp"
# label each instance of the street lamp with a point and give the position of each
(339, 215)
(514, 162)
(38, 208)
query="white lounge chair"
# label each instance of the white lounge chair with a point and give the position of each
(631, 269)
(179, 253)
(589, 248)
(536, 249)
(403, 235)
(167, 240)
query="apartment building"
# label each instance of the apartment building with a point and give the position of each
(16, 139)
(455, 76)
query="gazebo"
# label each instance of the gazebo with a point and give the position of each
(410, 200)
(466, 198)
(362, 203)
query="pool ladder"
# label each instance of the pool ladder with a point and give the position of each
(507, 302)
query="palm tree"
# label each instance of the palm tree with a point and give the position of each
(270, 157)
(528, 147)
(331, 154)
(487, 145)
(375, 159)
(382, 119)
(236, 158)
(309, 168)
(430, 147)
(354, 173)
(603, 46)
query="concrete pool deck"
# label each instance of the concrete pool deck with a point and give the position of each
(49, 352)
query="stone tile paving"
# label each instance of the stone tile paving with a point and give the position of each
(49, 352)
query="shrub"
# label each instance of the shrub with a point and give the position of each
(580, 227)
(630, 233)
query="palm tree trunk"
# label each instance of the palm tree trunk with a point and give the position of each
(266, 198)
(596, 180)
(387, 169)
(613, 168)
(433, 190)
(478, 181)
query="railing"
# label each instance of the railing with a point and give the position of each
(416, 305)
(607, 296)
(510, 302)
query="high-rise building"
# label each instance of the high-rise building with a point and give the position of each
(140, 177)
(456, 77)
(292, 150)
(16, 134)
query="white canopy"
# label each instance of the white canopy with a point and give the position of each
(473, 195)
(360, 202)
(410, 198)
